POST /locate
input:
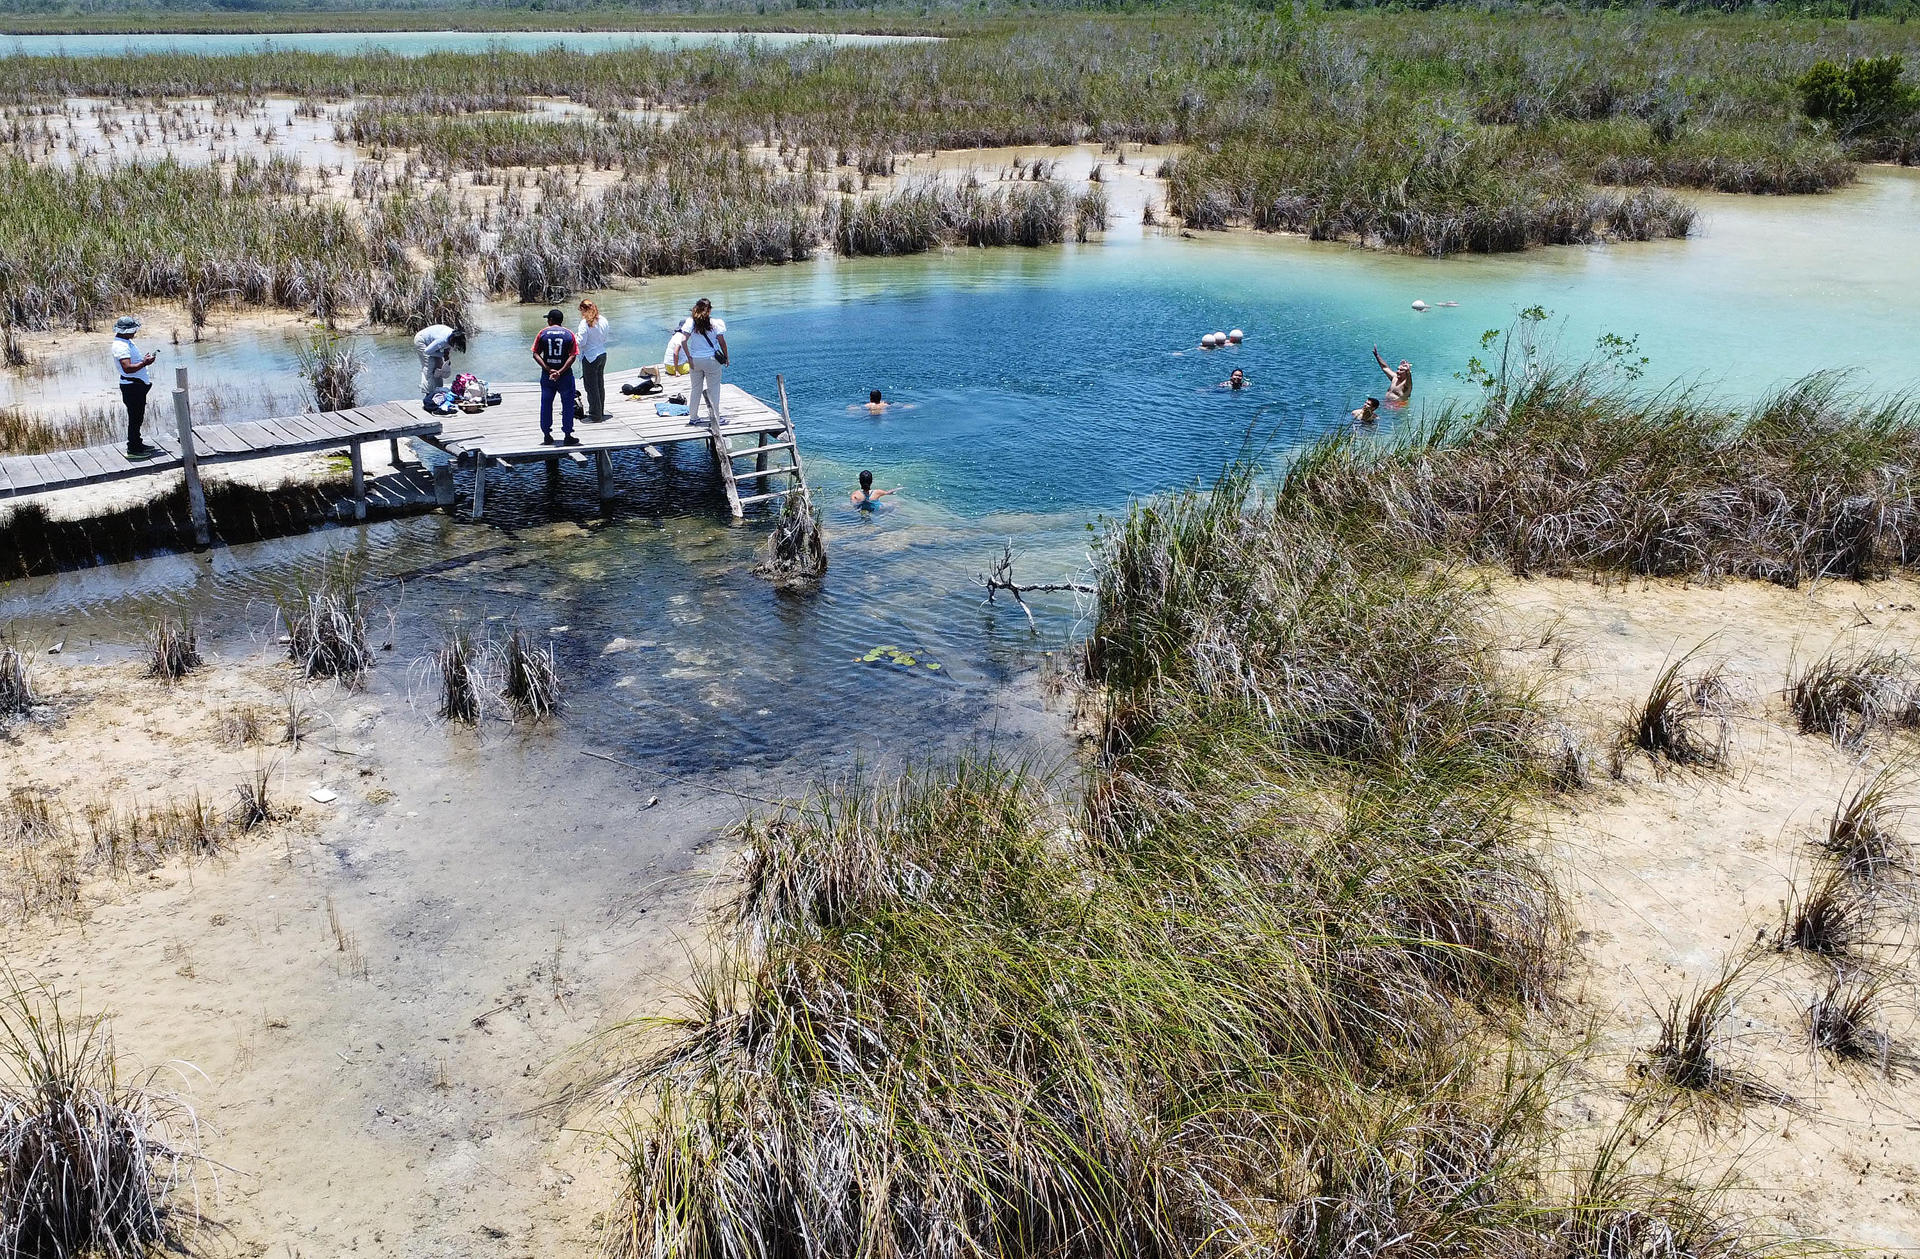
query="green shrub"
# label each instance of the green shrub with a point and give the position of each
(1861, 96)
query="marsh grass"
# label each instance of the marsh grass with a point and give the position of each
(254, 805)
(24, 432)
(327, 626)
(1684, 718)
(1693, 1034)
(1563, 470)
(1848, 693)
(331, 365)
(92, 1161)
(1234, 991)
(1864, 832)
(530, 677)
(458, 668)
(16, 684)
(1846, 1020)
(173, 648)
(1830, 917)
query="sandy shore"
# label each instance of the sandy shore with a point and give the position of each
(374, 993)
(1672, 873)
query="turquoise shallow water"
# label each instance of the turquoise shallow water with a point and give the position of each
(406, 43)
(1045, 388)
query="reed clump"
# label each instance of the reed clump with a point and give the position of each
(1684, 718)
(92, 1161)
(1864, 832)
(331, 365)
(173, 648)
(461, 682)
(531, 677)
(16, 683)
(1848, 693)
(327, 627)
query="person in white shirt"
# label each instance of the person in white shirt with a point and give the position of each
(436, 344)
(593, 360)
(676, 363)
(135, 381)
(707, 347)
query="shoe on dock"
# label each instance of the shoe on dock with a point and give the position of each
(570, 440)
(144, 451)
(546, 439)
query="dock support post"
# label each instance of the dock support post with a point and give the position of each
(479, 484)
(359, 480)
(189, 460)
(603, 465)
(393, 451)
(443, 483)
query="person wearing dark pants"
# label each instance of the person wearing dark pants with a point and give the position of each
(555, 349)
(592, 336)
(136, 380)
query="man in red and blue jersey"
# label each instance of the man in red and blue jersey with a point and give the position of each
(555, 349)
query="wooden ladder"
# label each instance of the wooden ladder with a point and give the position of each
(763, 472)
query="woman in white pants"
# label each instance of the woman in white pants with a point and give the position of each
(707, 348)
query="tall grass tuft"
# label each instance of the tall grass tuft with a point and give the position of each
(91, 1162)
(173, 648)
(456, 664)
(1864, 832)
(326, 628)
(531, 677)
(331, 365)
(1844, 1019)
(1683, 719)
(1847, 693)
(1692, 1033)
(16, 685)
(1829, 918)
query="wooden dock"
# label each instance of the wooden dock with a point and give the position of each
(501, 436)
(509, 434)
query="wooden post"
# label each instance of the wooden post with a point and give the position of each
(359, 480)
(603, 464)
(189, 461)
(393, 451)
(479, 484)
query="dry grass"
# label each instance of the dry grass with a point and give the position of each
(462, 684)
(327, 629)
(16, 685)
(1684, 720)
(1845, 1020)
(173, 649)
(532, 679)
(1864, 834)
(1693, 1032)
(91, 1162)
(1846, 694)
(1830, 918)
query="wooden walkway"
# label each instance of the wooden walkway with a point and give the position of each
(501, 436)
(509, 434)
(22, 475)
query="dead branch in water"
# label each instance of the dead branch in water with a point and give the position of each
(1001, 579)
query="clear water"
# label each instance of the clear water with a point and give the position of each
(1046, 388)
(409, 43)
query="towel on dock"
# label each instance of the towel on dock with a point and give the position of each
(662, 408)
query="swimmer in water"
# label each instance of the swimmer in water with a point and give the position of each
(866, 498)
(876, 405)
(1367, 412)
(1236, 381)
(1400, 380)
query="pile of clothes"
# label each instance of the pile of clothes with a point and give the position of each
(468, 393)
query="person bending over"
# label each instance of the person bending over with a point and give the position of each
(866, 498)
(436, 344)
(555, 349)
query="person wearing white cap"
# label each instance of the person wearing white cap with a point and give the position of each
(135, 381)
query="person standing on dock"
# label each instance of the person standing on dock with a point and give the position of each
(135, 383)
(436, 344)
(555, 349)
(707, 347)
(593, 359)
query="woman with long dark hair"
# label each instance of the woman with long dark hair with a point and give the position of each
(707, 348)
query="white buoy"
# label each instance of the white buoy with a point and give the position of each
(1418, 304)
(1236, 336)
